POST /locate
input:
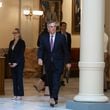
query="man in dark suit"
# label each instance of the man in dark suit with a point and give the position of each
(54, 54)
(63, 27)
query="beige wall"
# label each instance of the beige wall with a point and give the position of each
(107, 16)
(30, 26)
(9, 18)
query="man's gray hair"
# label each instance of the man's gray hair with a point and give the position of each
(51, 21)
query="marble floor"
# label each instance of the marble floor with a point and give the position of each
(37, 101)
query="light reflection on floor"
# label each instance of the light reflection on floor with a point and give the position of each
(37, 101)
(34, 100)
(29, 103)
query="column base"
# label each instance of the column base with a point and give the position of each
(91, 98)
(73, 105)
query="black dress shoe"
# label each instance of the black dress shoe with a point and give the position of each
(105, 90)
(62, 83)
(52, 102)
(52, 105)
(56, 101)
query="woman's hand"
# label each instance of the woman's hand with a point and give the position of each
(40, 62)
(13, 65)
(68, 66)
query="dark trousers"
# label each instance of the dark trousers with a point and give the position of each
(17, 74)
(53, 74)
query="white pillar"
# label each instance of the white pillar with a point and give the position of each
(91, 52)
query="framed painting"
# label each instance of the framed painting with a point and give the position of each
(76, 16)
(52, 11)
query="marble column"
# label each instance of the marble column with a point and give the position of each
(91, 62)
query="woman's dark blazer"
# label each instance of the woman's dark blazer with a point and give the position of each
(17, 54)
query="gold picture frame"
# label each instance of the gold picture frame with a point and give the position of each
(52, 11)
(76, 16)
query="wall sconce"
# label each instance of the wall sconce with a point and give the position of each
(29, 13)
(1, 4)
(37, 13)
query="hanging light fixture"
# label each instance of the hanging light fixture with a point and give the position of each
(1, 4)
(37, 12)
(29, 13)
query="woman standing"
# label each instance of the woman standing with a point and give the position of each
(16, 63)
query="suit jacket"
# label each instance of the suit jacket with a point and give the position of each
(68, 40)
(40, 35)
(17, 54)
(59, 54)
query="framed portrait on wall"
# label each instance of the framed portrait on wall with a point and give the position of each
(76, 16)
(52, 11)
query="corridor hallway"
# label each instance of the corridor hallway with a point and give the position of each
(34, 100)
(37, 101)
